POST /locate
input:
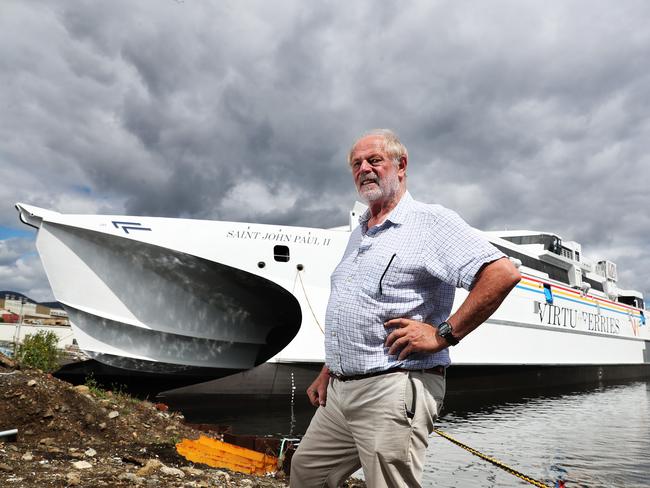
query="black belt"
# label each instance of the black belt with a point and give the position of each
(439, 370)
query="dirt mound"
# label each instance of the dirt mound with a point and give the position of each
(89, 437)
(86, 436)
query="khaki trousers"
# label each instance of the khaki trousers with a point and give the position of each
(365, 424)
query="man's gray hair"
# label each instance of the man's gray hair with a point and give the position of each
(393, 147)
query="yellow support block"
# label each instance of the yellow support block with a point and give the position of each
(219, 454)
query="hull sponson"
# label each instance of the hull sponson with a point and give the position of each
(145, 348)
(148, 302)
(129, 366)
(142, 378)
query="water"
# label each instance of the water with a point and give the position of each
(595, 436)
(598, 437)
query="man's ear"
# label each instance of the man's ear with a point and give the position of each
(403, 163)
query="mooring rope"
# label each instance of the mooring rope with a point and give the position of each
(309, 303)
(497, 463)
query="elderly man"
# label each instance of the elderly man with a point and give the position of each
(388, 328)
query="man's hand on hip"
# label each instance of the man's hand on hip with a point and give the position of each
(411, 336)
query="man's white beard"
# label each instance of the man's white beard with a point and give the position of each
(385, 188)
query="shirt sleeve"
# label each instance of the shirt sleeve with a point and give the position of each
(454, 252)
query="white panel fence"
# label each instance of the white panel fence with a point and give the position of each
(11, 332)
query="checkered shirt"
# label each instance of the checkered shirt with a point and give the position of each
(409, 266)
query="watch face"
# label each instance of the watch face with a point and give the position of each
(444, 329)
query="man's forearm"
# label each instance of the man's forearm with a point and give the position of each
(490, 289)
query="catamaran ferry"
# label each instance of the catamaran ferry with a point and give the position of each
(245, 302)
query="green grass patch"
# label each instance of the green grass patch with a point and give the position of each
(115, 392)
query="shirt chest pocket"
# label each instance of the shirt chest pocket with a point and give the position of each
(381, 275)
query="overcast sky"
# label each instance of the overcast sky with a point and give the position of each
(517, 114)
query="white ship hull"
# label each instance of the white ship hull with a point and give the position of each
(168, 295)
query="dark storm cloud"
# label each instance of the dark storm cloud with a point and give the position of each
(516, 114)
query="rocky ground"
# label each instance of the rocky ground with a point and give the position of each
(86, 436)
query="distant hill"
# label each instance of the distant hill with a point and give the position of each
(4, 293)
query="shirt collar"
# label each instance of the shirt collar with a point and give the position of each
(396, 216)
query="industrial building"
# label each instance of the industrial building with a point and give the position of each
(18, 309)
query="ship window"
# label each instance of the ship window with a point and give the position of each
(595, 285)
(281, 253)
(554, 272)
(556, 245)
(633, 301)
(627, 300)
